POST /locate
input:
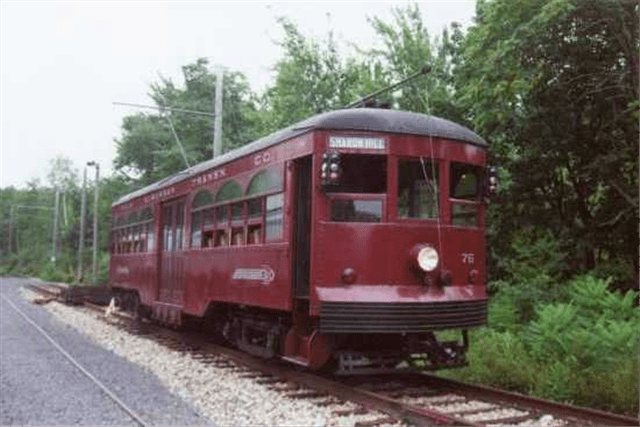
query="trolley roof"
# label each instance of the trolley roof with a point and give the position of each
(358, 119)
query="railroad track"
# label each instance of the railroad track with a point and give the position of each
(415, 399)
(52, 292)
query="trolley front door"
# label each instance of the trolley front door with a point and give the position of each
(302, 228)
(172, 267)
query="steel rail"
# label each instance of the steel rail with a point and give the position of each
(70, 358)
(367, 399)
(407, 413)
(285, 372)
(49, 289)
(561, 409)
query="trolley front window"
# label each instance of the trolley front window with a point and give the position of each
(349, 210)
(360, 173)
(418, 189)
(464, 192)
(464, 182)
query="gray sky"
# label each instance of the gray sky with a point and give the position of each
(65, 63)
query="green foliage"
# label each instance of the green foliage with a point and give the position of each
(558, 382)
(507, 308)
(535, 252)
(103, 268)
(407, 49)
(615, 389)
(562, 356)
(148, 148)
(313, 77)
(567, 379)
(574, 162)
(551, 335)
(619, 270)
(584, 340)
(52, 273)
(499, 359)
(27, 245)
(577, 343)
(552, 84)
(594, 299)
(532, 270)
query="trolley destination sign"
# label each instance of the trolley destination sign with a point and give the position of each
(357, 143)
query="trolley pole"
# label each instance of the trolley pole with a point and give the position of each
(217, 121)
(95, 221)
(83, 207)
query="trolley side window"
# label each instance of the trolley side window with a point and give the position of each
(274, 217)
(200, 219)
(232, 190)
(116, 240)
(465, 190)
(133, 234)
(418, 189)
(267, 180)
(168, 238)
(263, 206)
(146, 230)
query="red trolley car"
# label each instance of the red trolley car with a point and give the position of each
(346, 240)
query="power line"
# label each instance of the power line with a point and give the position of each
(33, 207)
(153, 107)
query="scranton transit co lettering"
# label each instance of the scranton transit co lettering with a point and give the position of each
(357, 143)
(162, 194)
(209, 177)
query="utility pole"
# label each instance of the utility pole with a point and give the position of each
(83, 207)
(95, 221)
(217, 122)
(11, 229)
(55, 226)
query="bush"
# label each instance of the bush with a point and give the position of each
(581, 348)
(498, 359)
(615, 389)
(536, 255)
(53, 273)
(549, 337)
(521, 299)
(595, 300)
(619, 271)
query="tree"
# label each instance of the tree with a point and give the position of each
(312, 77)
(148, 147)
(554, 86)
(407, 49)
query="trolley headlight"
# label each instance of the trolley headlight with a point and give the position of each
(427, 258)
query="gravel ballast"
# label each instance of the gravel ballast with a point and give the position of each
(222, 395)
(39, 386)
(227, 396)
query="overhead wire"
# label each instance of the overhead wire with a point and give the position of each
(434, 183)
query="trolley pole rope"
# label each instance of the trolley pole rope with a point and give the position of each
(108, 392)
